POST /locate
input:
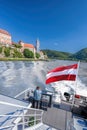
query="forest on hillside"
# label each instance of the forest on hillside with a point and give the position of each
(53, 54)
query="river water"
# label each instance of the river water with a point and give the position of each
(16, 76)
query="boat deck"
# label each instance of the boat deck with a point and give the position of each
(58, 115)
(41, 126)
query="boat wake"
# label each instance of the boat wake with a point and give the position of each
(20, 75)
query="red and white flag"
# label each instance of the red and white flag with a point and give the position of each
(62, 73)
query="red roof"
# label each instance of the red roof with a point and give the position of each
(12, 42)
(28, 45)
(4, 32)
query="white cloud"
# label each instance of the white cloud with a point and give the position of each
(56, 44)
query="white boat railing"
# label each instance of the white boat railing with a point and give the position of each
(27, 118)
(25, 93)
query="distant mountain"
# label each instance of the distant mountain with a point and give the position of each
(80, 55)
(56, 54)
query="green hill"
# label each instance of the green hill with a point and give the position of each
(56, 54)
(80, 55)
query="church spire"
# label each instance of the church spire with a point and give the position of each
(37, 45)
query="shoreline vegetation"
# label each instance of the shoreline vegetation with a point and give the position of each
(22, 59)
(32, 59)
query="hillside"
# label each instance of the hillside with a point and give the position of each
(56, 54)
(80, 55)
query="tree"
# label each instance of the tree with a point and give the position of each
(28, 54)
(0, 49)
(17, 54)
(17, 45)
(37, 55)
(7, 51)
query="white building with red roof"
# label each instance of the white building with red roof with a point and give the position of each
(27, 46)
(5, 37)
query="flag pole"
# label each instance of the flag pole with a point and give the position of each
(75, 84)
(77, 74)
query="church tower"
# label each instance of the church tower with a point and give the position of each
(37, 45)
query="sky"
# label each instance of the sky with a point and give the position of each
(58, 24)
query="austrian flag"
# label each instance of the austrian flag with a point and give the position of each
(62, 73)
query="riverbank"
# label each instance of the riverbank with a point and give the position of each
(22, 59)
(32, 59)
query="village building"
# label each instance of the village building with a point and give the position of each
(42, 55)
(5, 37)
(6, 40)
(27, 46)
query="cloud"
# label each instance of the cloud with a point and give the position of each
(56, 44)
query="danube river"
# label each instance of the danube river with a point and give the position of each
(16, 76)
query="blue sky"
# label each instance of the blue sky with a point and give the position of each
(59, 24)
